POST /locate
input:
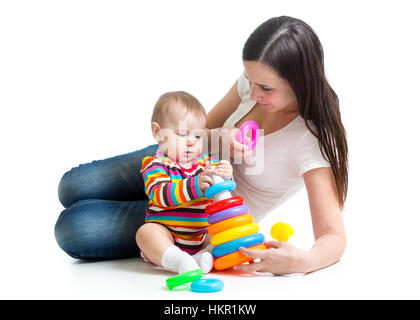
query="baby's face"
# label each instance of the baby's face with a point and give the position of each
(182, 137)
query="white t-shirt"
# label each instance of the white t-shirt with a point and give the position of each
(273, 174)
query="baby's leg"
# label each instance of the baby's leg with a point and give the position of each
(153, 239)
(205, 259)
(157, 244)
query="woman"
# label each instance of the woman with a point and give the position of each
(284, 89)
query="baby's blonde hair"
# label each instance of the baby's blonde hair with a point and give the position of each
(169, 100)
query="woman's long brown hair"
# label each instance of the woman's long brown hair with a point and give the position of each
(291, 48)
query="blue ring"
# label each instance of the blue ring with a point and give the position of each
(218, 187)
(207, 285)
(233, 246)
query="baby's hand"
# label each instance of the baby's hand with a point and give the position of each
(224, 169)
(204, 180)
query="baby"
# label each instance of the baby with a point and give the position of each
(175, 179)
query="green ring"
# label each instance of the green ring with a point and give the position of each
(184, 278)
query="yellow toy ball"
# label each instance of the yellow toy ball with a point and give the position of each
(281, 231)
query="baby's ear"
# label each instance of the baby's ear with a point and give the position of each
(155, 130)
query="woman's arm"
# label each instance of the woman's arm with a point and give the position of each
(217, 116)
(327, 219)
(328, 227)
(224, 136)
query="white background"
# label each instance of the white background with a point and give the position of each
(78, 81)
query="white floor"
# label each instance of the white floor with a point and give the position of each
(380, 262)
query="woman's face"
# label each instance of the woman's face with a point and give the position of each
(272, 92)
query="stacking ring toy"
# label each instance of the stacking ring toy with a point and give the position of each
(255, 134)
(224, 204)
(230, 223)
(228, 213)
(221, 186)
(232, 246)
(235, 258)
(184, 278)
(207, 285)
(234, 233)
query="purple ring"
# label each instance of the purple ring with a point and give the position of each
(228, 213)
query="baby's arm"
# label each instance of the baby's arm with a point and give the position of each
(162, 191)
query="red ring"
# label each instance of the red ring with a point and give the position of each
(224, 204)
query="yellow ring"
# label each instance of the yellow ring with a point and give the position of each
(234, 233)
(230, 223)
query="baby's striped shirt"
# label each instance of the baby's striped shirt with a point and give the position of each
(176, 200)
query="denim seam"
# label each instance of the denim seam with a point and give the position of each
(87, 201)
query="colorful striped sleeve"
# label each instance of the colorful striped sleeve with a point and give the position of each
(162, 190)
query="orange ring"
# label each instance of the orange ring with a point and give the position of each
(224, 204)
(230, 223)
(235, 258)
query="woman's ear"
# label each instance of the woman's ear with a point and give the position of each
(155, 131)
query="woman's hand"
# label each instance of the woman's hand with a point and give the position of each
(235, 148)
(280, 258)
(224, 169)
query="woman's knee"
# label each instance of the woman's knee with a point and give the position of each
(66, 189)
(72, 230)
(87, 181)
(100, 229)
(116, 178)
(81, 183)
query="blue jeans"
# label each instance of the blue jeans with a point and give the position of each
(105, 203)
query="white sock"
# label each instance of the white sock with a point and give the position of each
(205, 259)
(176, 260)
